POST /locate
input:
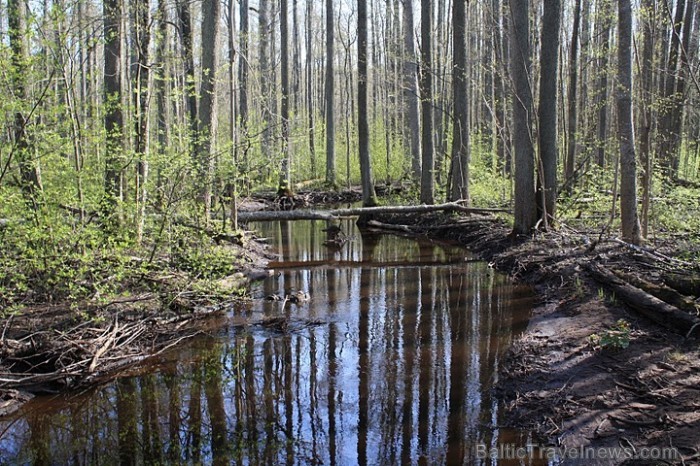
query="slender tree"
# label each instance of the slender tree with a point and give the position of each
(211, 14)
(460, 140)
(525, 208)
(330, 95)
(285, 180)
(631, 230)
(369, 197)
(142, 99)
(572, 114)
(547, 111)
(30, 172)
(113, 117)
(410, 89)
(426, 95)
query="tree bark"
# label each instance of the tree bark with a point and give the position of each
(631, 231)
(410, 89)
(569, 166)
(604, 21)
(426, 95)
(211, 14)
(369, 197)
(113, 117)
(142, 98)
(460, 139)
(284, 186)
(330, 95)
(30, 172)
(525, 208)
(547, 112)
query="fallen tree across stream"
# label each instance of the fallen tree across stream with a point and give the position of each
(332, 214)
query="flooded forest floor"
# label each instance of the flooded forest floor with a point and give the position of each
(591, 369)
(610, 357)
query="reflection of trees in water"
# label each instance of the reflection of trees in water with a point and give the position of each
(400, 374)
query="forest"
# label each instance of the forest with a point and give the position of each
(141, 137)
(135, 110)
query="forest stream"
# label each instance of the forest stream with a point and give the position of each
(360, 348)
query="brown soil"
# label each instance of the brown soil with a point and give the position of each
(46, 348)
(554, 381)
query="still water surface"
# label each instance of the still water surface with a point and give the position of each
(390, 361)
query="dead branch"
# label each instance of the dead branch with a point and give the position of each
(306, 214)
(650, 306)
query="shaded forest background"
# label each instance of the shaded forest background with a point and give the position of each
(123, 119)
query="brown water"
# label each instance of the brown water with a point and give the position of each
(391, 361)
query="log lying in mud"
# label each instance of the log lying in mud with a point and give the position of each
(649, 306)
(663, 292)
(307, 214)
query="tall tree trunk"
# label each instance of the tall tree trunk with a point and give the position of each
(142, 98)
(677, 107)
(243, 71)
(113, 119)
(330, 95)
(369, 197)
(263, 59)
(426, 95)
(186, 39)
(211, 14)
(460, 140)
(628, 164)
(649, 17)
(285, 181)
(605, 22)
(410, 89)
(525, 208)
(309, 86)
(547, 111)
(668, 96)
(30, 173)
(572, 116)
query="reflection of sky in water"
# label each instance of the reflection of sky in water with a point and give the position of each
(389, 362)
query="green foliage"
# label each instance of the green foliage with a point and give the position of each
(616, 337)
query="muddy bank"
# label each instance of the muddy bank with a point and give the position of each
(72, 344)
(575, 377)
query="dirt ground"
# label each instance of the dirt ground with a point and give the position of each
(556, 383)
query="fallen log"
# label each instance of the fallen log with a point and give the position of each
(685, 283)
(332, 214)
(663, 292)
(649, 306)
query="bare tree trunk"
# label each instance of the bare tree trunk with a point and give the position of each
(604, 22)
(369, 198)
(460, 142)
(309, 86)
(330, 95)
(24, 151)
(628, 164)
(426, 95)
(525, 208)
(142, 98)
(284, 186)
(677, 107)
(647, 78)
(185, 28)
(113, 119)
(243, 71)
(668, 96)
(570, 164)
(547, 111)
(211, 13)
(410, 89)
